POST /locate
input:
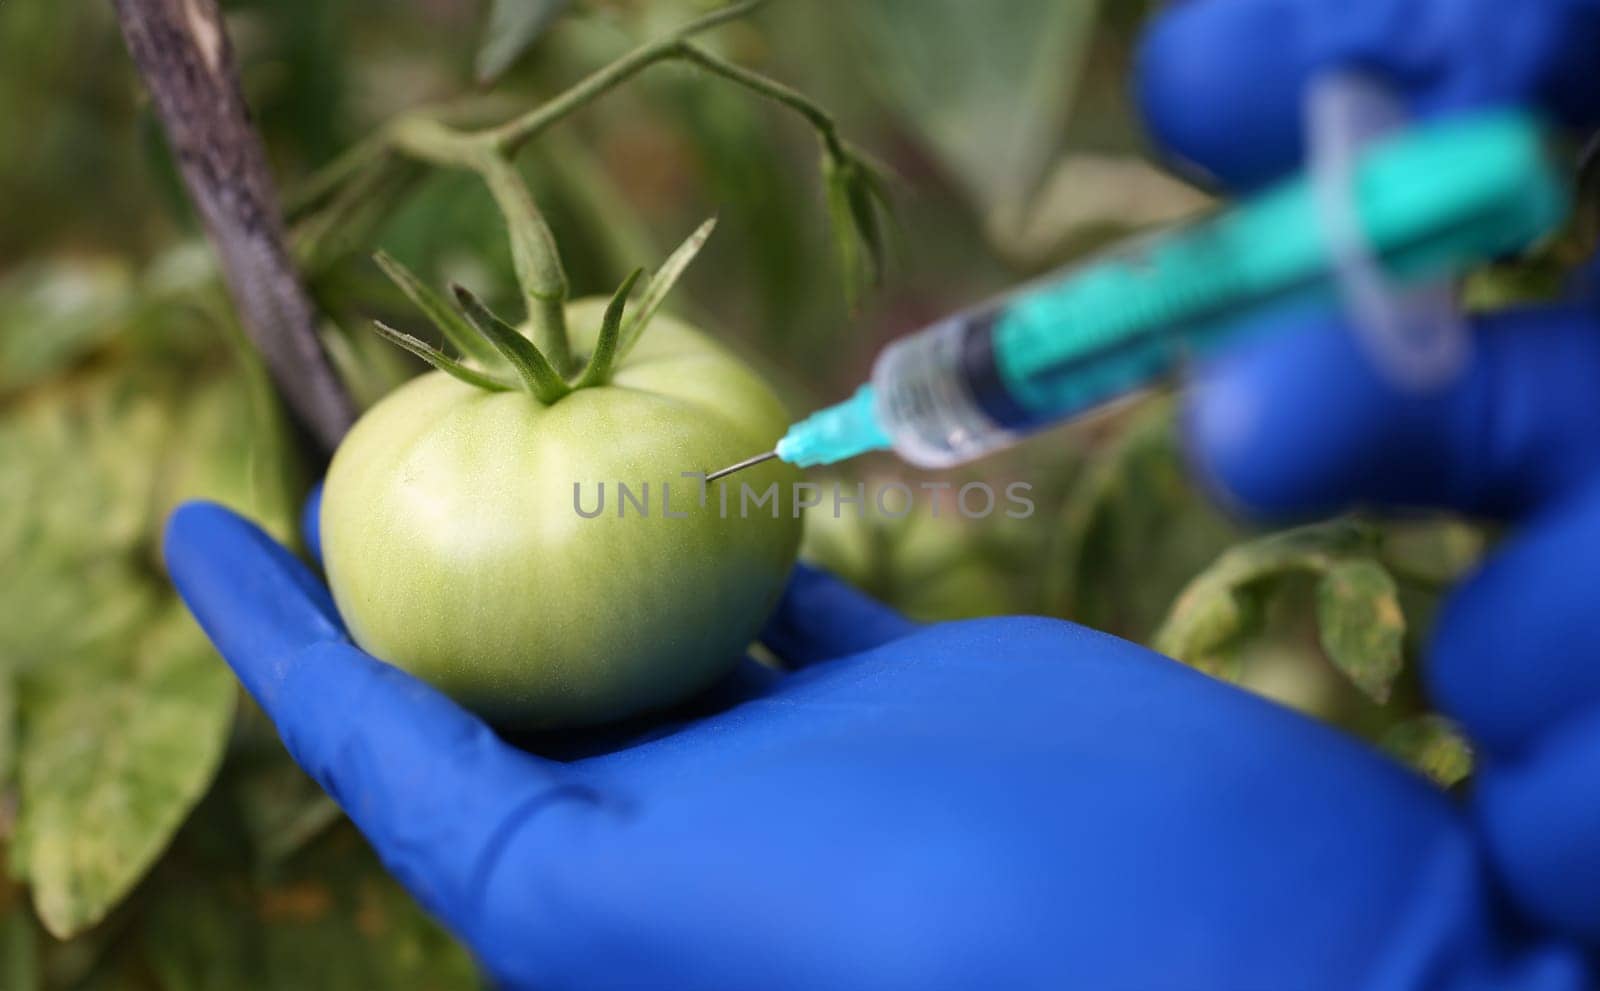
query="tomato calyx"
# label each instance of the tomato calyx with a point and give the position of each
(537, 375)
(497, 357)
(598, 369)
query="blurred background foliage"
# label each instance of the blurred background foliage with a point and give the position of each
(152, 830)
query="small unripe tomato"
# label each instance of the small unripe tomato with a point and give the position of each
(455, 548)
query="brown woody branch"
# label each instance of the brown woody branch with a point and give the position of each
(183, 53)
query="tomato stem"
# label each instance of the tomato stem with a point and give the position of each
(515, 133)
(534, 255)
(820, 120)
(535, 258)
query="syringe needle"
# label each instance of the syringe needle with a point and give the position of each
(724, 472)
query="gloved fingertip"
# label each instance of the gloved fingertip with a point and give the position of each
(1273, 428)
(1539, 815)
(192, 531)
(1220, 88)
(253, 598)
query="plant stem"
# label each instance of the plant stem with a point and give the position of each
(533, 248)
(513, 134)
(535, 258)
(424, 137)
(344, 222)
(719, 17)
(182, 52)
(329, 179)
(771, 89)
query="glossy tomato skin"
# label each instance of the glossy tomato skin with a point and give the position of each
(454, 548)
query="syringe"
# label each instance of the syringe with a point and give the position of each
(1429, 203)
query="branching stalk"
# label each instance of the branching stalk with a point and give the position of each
(516, 132)
(367, 153)
(533, 248)
(535, 258)
(183, 53)
(820, 120)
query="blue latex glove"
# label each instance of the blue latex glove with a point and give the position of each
(1022, 802)
(1007, 803)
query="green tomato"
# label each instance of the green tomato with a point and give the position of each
(455, 550)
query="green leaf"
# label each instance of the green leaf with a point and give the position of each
(233, 446)
(655, 293)
(987, 87)
(1361, 625)
(855, 199)
(1432, 745)
(514, 25)
(53, 313)
(19, 951)
(74, 545)
(8, 734)
(1221, 606)
(1209, 627)
(330, 918)
(116, 749)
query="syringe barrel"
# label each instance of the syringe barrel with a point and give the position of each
(940, 396)
(927, 395)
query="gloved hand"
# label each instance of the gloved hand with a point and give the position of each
(1022, 802)
(1009, 803)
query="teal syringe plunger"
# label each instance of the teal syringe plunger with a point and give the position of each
(1424, 205)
